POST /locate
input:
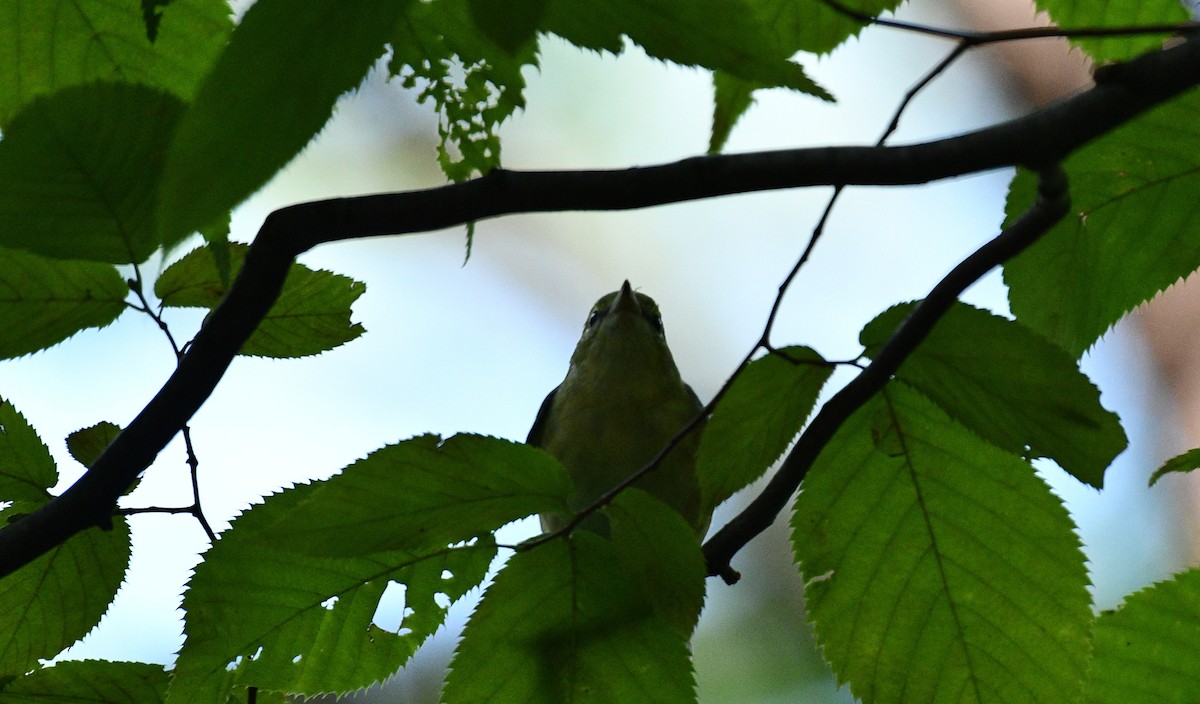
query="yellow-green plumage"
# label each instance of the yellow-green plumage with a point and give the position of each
(620, 403)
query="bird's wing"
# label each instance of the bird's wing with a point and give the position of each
(539, 424)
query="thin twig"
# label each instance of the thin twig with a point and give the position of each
(154, 509)
(194, 471)
(137, 285)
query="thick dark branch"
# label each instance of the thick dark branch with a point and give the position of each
(1037, 140)
(1051, 205)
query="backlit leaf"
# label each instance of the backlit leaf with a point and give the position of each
(79, 172)
(1132, 235)
(563, 623)
(55, 600)
(426, 492)
(757, 419)
(44, 301)
(1009, 385)
(1148, 650)
(90, 682)
(938, 568)
(49, 45)
(261, 613)
(269, 92)
(312, 314)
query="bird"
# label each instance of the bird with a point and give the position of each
(620, 404)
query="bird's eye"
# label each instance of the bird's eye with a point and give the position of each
(655, 321)
(595, 318)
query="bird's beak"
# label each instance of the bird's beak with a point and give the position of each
(625, 302)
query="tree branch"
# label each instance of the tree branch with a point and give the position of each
(1052, 204)
(1035, 140)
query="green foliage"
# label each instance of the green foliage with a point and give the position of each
(54, 600)
(44, 301)
(811, 26)
(732, 97)
(1129, 237)
(1018, 391)
(658, 551)
(725, 35)
(815, 26)
(262, 611)
(757, 419)
(244, 125)
(939, 568)
(938, 565)
(471, 73)
(27, 471)
(426, 491)
(1114, 13)
(90, 156)
(510, 25)
(1149, 649)
(564, 622)
(49, 45)
(88, 682)
(86, 444)
(1184, 462)
(311, 316)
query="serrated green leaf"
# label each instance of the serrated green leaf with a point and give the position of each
(79, 171)
(1009, 385)
(312, 314)
(563, 623)
(757, 419)
(1132, 233)
(55, 600)
(45, 301)
(808, 25)
(86, 444)
(260, 613)
(49, 45)
(732, 97)
(216, 241)
(90, 682)
(724, 35)
(27, 470)
(939, 568)
(195, 281)
(1148, 650)
(1184, 462)
(510, 24)
(1114, 13)
(660, 552)
(247, 123)
(426, 492)
(813, 25)
(474, 83)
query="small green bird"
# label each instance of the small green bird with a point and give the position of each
(619, 405)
